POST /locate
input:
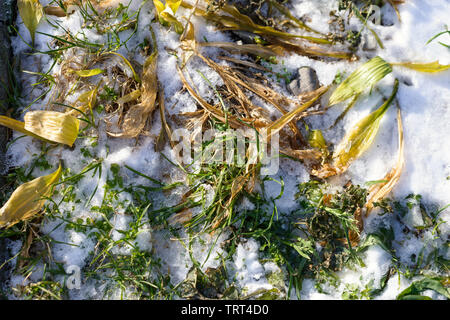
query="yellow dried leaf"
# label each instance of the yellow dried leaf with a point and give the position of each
(188, 37)
(325, 171)
(282, 46)
(88, 73)
(49, 126)
(277, 125)
(380, 190)
(137, 116)
(238, 21)
(308, 154)
(87, 100)
(53, 126)
(18, 126)
(361, 136)
(218, 113)
(364, 77)
(236, 187)
(188, 43)
(28, 199)
(166, 14)
(31, 12)
(55, 11)
(254, 49)
(173, 4)
(246, 23)
(316, 140)
(170, 18)
(431, 67)
(180, 217)
(159, 6)
(132, 96)
(162, 113)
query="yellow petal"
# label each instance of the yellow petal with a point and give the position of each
(54, 126)
(31, 12)
(28, 199)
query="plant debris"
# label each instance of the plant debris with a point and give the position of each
(190, 207)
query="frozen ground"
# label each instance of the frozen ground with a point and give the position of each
(423, 98)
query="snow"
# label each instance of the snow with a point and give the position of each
(423, 99)
(250, 273)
